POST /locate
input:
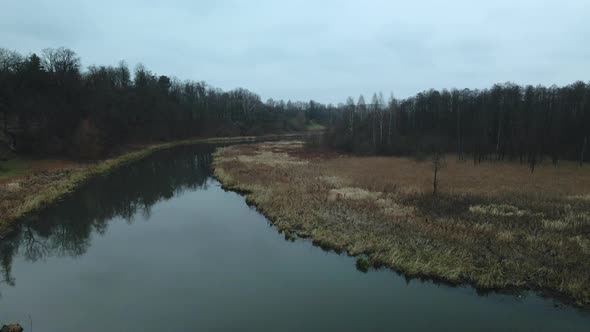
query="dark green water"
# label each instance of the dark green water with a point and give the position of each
(159, 246)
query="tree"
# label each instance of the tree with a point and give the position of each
(249, 101)
(53, 107)
(380, 106)
(506, 121)
(361, 106)
(61, 61)
(392, 114)
(438, 163)
(142, 77)
(9, 60)
(350, 109)
(583, 150)
(123, 75)
(375, 115)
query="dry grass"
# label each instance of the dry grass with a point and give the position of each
(494, 225)
(462, 177)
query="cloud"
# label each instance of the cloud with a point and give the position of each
(321, 50)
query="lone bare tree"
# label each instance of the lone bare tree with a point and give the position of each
(583, 149)
(438, 162)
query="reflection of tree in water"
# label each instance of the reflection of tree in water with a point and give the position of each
(65, 229)
(7, 251)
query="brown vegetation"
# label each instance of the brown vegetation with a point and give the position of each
(17, 194)
(494, 225)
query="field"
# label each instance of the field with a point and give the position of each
(493, 225)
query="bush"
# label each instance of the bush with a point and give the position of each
(362, 264)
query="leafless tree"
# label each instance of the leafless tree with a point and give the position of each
(438, 162)
(249, 101)
(361, 106)
(61, 60)
(9, 60)
(392, 110)
(350, 106)
(381, 105)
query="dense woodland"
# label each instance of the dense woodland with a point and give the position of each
(507, 121)
(50, 106)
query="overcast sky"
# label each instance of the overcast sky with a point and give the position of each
(324, 50)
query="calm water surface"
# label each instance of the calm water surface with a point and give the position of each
(159, 246)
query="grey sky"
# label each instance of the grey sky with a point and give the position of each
(322, 50)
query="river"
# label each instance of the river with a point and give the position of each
(158, 245)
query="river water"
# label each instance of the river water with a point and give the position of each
(159, 246)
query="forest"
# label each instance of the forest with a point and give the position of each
(50, 106)
(507, 121)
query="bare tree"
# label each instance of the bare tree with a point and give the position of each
(361, 106)
(392, 110)
(375, 107)
(350, 106)
(456, 105)
(381, 105)
(532, 162)
(123, 75)
(583, 149)
(438, 163)
(9, 60)
(61, 60)
(249, 101)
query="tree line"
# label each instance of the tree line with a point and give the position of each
(49, 105)
(506, 121)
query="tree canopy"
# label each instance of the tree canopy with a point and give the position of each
(507, 120)
(49, 105)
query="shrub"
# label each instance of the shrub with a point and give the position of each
(362, 264)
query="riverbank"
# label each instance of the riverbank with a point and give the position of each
(28, 192)
(495, 226)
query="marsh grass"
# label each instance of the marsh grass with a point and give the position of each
(495, 226)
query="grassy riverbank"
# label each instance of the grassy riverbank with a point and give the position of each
(493, 225)
(25, 191)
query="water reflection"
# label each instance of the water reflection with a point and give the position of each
(218, 266)
(65, 229)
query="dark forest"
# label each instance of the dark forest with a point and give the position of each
(507, 121)
(50, 106)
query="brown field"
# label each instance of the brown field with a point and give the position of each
(494, 225)
(462, 177)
